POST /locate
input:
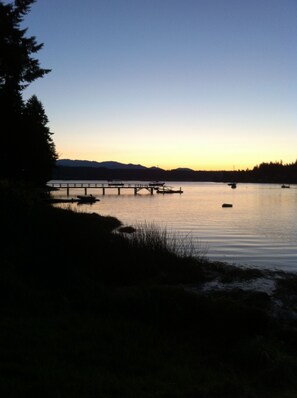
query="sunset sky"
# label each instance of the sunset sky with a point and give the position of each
(205, 84)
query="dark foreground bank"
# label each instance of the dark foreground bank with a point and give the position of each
(87, 311)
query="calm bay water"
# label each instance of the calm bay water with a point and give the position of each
(259, 230)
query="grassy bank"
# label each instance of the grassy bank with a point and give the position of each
(87, 311)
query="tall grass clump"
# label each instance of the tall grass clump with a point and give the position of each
(159, 240)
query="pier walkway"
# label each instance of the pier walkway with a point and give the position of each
(102, 186)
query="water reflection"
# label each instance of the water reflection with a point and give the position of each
(259, 229)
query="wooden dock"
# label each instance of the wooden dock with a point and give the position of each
(103, 187)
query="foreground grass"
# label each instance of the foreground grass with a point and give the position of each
(86, 312)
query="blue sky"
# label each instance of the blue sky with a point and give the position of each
(206, 84)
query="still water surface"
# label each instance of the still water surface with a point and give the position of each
(259, 230)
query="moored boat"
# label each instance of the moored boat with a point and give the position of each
(87, 199)
(165, 190)
(156, 184)
(115, 183)
(232, 185)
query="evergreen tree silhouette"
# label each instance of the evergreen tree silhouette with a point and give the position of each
(38, 142)
(23, 152)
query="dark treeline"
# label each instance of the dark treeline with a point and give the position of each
(273, 172)
(27, 151)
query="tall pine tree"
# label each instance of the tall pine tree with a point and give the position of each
(39, 141)
(27, 151)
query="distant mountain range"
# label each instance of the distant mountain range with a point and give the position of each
(109, 170)
(110, 164)
(68, 169)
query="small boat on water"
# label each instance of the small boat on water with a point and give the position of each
(87, 199)
(156, 184)
(165, 190)
(232, 185)
(285, 186)
(115, 183)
